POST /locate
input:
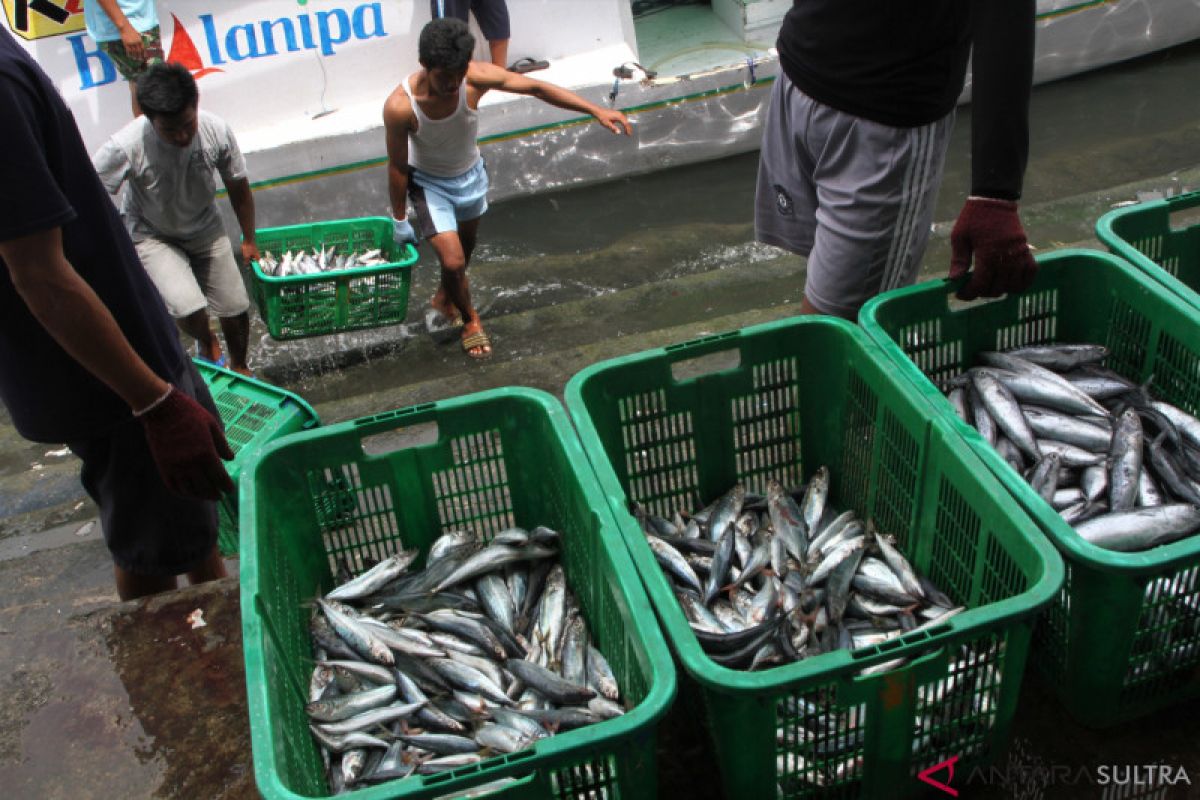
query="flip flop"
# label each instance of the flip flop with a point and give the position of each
(477, 339)
(220, 362)
(523, 65)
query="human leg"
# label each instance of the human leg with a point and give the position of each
(170, 269)
(152, 534)
(492, 16)
(212, 568)
(129, 68)
(854, 196)
(225, 292)
(447, 213)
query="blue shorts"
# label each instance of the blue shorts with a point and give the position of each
(441, 203)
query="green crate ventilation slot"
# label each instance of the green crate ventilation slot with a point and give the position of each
(857, 439)
(1037, 321)
(242, 417)
(474, 494)
(595, 778)
(766, 427)
(955, 714)
(940, 360)
(1053, 632)
(660, 455)
(818, 745)
(896, 481)
(358, 523)
(1128, 339)
(1166, 644)
(305, 308)
(1155, 249)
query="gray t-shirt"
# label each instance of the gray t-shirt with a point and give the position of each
(172, 190)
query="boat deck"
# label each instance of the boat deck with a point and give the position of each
(683, 40)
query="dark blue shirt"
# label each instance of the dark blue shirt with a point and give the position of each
(47, 181)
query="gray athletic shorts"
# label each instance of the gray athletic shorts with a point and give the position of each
(148, 529)
(855, 196)
(191, 274)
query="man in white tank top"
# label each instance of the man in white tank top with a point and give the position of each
(431, 122)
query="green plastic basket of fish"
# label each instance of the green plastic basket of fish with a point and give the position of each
(253, 414)
(1160, 237)
(295, 306)
(360, 491)
(674, 428)
(1122, 638)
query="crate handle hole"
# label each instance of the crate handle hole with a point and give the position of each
(957, 306)
(709, 364)
(403, 438)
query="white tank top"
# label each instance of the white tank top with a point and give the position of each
(444, 147)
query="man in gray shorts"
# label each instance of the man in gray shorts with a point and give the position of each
(168, 159)
(857, 131)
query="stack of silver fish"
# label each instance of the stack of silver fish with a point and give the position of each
(767, 580)
(1119, 466)
(321, 259)
(482, 652)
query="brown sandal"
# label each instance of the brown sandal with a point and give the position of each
(479, 340)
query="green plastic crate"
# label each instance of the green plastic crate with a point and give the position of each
(296, 306)
(253, 414)
(364, 488)
(675, 427)
(1147, 236)
(1100, 644)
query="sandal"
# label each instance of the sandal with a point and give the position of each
(220, 362)
(523, 65)
(477, 340)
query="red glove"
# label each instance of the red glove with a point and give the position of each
(990, 229)
(188, 444)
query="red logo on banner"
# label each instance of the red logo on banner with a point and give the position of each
(183, 51)
(948, 765)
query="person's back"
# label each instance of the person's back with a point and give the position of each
(51, 397)
(900, 63)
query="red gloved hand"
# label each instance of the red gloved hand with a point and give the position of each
(188, 444)
(990, 229)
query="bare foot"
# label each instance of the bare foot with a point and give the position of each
(475, 342)
(243, 371)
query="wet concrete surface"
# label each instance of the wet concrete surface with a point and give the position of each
(106, 699)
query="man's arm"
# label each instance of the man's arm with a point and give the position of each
(485, 76)
(130, 38)
(186, 442)
(988, 238)
(76, 318)
(397, 121)
(1001, 82)
(241, 197)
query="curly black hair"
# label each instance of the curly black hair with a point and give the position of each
(165, 90)
(445, 43)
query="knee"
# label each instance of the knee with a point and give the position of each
(455, 264)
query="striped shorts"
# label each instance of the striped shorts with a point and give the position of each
(854, 196)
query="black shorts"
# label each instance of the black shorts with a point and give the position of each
(148, 529)
(492, 15)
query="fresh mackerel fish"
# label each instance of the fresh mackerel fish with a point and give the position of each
(482, 652)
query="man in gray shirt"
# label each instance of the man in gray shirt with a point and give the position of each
(168, 158)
